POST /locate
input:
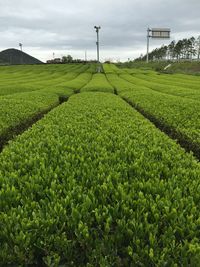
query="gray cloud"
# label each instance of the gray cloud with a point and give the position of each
(66, 26)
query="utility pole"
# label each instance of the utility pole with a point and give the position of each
(20, 46)
(85, 55)
(97, 43)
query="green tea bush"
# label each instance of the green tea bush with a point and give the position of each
(177, 114)
(96, 184)
(98, 83)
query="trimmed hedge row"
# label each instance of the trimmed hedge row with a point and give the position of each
(28, 78)
(98, 83)
(163, 87)
(95, 184)
(19, 107)
(178, 115)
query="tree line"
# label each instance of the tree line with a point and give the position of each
(185, 49)
(68, 59)
(64, 60)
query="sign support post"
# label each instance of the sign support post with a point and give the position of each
(148, 36)
(159, 33)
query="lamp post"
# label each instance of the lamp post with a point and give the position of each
(97, 43)
(20, 46)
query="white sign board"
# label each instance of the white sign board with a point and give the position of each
(160, 33)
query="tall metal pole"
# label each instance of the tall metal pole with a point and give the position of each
(98, 46)
(20, 45)
(97, 43)
(148, 30)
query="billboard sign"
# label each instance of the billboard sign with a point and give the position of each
(160, 33)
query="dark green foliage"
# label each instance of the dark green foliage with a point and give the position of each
(14, 57)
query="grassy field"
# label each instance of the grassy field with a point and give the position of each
(110, 176)
(185, 67)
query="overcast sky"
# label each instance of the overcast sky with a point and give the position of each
(67, 26)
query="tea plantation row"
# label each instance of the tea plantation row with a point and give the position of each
(18, 107)
(178, 114)
(95, 184)
(32, 78)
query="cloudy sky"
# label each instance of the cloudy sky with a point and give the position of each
(66, 27)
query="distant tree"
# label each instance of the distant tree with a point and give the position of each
(183, 49)
(64, 59)
(178, 49)
(191, 47)
(67, 59)
(197, 46)
(163, 51)
(171, 47)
